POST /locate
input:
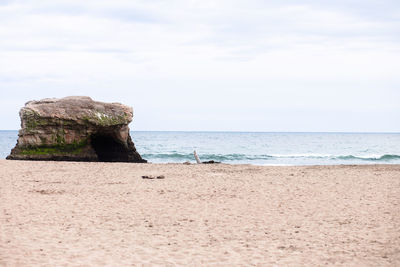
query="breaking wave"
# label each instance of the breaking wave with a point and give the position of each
(177, 157)
(385, 157)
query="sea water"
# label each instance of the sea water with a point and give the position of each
(258, 148)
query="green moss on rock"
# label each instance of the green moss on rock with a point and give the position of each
(33, 120)
(59, 149)
(59, 137)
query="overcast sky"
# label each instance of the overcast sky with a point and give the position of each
(209, 65)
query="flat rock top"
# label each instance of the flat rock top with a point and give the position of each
(79, 108)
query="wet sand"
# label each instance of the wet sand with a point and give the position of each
(96, 214)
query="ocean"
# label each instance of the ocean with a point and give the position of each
(258, 148)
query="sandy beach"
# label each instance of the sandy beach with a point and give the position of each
(106, 214)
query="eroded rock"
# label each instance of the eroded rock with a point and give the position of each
(75, 128)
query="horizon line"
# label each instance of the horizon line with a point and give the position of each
(228, 131)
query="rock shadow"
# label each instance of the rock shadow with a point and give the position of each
(109, 149)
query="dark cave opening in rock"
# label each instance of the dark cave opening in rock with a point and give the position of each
(108, 149)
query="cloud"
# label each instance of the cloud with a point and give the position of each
(221, 54)
(234, 26)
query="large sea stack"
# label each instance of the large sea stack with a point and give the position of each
(75, 128)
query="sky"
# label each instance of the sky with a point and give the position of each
(237, 65)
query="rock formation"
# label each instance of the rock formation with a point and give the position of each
(75, 128)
